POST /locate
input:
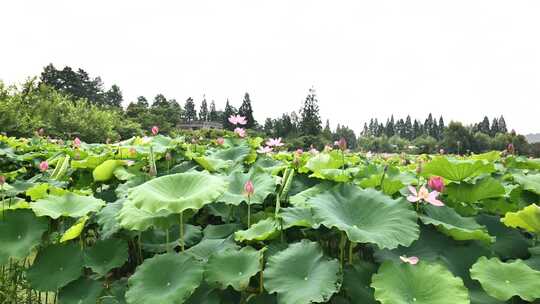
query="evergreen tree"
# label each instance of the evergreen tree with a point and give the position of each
(494, 127)
(190, 114)
(327, 132)
(213, 115)
(408, 128)
(441, 128)
(228, 112)
(502, 125)
(113, 97)
(247, 111)
(484, 126)
(268, 127)
(400, 128)
(429, 128)
(310, 121)
(390, 128)
(203, 112)
(417, 129)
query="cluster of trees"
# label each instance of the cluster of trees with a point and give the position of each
(70, 102)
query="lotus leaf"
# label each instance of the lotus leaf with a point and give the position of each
(106, 255)
(528, 218)
(68, 205)
(233, 267)
(82, 291)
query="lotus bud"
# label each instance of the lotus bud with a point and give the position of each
(40, 131)
(441, 151)
(132, 151)
(43, 166)
(77, 142)
(248, 188)
(2, 180)
(152, 171)
(155, 130)
(436, 183)
(511, 149)
(419, 167)
(220, 141)
(342, 144)
(168, 156)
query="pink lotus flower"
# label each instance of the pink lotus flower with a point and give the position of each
(220, 141)
(240, 132)
(77, 142)
(41, 131)
(168, 156)
(249, 188)
(436, 183)
(155, 130)
(264, 150)
(411, 260)
(274, 142)
(424, 195)
(342, 144)
(299, 152)
(43, 166)
(237, 120)
(511, 149)
(2, 180)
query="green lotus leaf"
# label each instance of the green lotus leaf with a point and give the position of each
(106, 255)
(133, 218)
(456, 170)
(423, 283)
(68, 205)
(527, 218)
(55, 266)
(300, 199)
(522, 162)
(212, 164)
(505, 280)
(107, 219)
(220, 231)
(167, 278)
(177, 192)
(155, 240)
(20, 232)
(203, 250)
(75, 230)
(534, 260)
(530, 182)
(357, 280)
(302, 274)
(454, 225)
(366, 216)
(205, 294)
(12, 204)
(105, 171)
(82, 291)
(298, 217)
(470, 193)
(115, 293)
(509, 243)
(233, 268)
(321, 161)
(38, 191)
(491, 156)
(263, 183)
(260, 231)
(90, 162)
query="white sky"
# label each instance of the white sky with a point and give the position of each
(463, 58)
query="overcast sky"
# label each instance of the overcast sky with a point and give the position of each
(462, 59)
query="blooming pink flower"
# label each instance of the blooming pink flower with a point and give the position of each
(510, 148)
(411, 260)
(237, 120)
(264, 150)
(299, 152)
(436, 183)
(240, 132)
(424, 195)
(77, 142)
(249, 188)
(341, 143)
(220, 141)
(274, 142)
(2, 180)
(155, 130)
(43, 166)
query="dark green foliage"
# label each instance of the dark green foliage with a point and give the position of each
(247, 111)
(310, 119)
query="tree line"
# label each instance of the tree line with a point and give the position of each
(41, 102)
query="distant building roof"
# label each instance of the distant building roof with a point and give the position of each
(200, 124)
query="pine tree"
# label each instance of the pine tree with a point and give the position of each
(429, 128)
(268, 127)
(408, 128)
(417, 129)
(190, 114)
(390, 128)
(228, 112)
(502, 125)
(247, 111)
(494, 127)
(484, 125)
(310, 121)
(203, 111)
(400, 128)
(365, 130)
(441, 128)
(213, 115)
(327, 132)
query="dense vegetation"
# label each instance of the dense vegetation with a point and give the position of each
(239, 220)
(67, 103)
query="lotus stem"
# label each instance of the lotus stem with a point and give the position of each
(139, 248)
(249, 212)
(351, 247)
(167, 240)
(182, 247)
(261, 280)
(342, 244)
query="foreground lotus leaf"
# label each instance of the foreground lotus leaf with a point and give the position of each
(301, 274)
(505, 280)
(233, 268)
(133, 218)
(168, 278)
(529, 182)
(528, 218)
(454, 225)
(74, 231)
(106, 255)
(82, 291)
(177, 192)
(470, 193)
(203, 250)
(55, 266)
(105, 171)
(423, 283)
(366, 216)
(20, 232)
(263, 183)
(68, 205)
(356, 281)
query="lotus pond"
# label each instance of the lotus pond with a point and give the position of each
(160, 220)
